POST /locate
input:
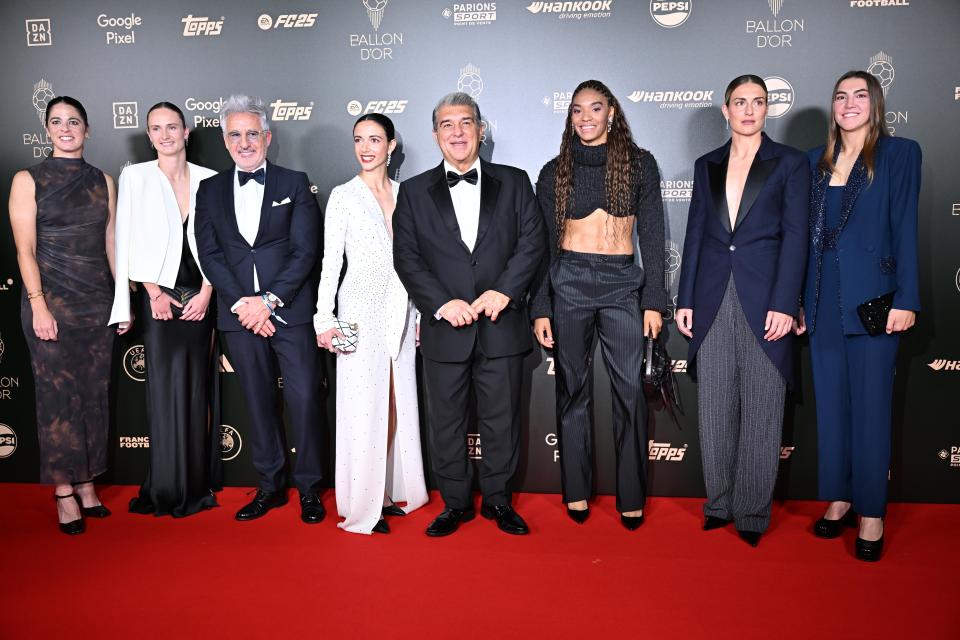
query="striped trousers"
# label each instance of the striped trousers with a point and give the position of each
(741, 395)
(597, 295)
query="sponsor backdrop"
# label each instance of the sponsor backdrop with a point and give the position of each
(319, 65)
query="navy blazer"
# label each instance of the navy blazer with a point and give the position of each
(765, 252)
(435, 265)
(284, 251)
(877, 243)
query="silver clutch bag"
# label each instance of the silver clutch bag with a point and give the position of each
(348, 343)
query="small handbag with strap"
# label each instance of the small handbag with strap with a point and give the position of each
(658, 377)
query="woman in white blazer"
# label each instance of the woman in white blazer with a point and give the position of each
(378, 427)
(155, 248)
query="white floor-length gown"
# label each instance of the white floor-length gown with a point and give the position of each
(368, 467)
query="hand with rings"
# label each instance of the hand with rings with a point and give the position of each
(160, 306)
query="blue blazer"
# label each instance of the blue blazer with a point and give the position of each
(877, 243)
(284, 251)
(765, 251)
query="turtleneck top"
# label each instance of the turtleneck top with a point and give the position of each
(589, 194)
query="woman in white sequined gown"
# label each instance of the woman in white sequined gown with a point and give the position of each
(378, 458)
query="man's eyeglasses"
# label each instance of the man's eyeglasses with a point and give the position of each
(251, 136)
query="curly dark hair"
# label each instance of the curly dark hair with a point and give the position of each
(623, 172)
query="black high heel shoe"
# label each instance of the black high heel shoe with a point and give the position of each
(381, 526)
(632, 523)
(869, 550)
(392, 510)
(824, 528)
(98, 511)
(578, 515)
(74, 527)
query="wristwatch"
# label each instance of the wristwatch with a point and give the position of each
(273, 299)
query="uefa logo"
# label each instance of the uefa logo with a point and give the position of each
(8, 441)
(230, 442)
(780, 96)
(135, 363)
(670, 14)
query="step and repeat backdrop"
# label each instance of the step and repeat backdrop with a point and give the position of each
(319, 65)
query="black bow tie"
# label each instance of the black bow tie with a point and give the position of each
(245, 176)
(470, 177)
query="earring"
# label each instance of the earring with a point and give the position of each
(388, 158)
(727, 124)
(609, 124)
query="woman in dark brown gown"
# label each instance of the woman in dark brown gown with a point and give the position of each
(61, 211)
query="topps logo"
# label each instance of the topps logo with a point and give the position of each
(290, 111)
(203, 26)
(665, 451)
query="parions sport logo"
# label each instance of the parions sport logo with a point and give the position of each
(780, 96)
(580, 10)
(559, 101)
(670, 14)
(676, 190)
(135, 363)
(471, 14)
(230, 442)
(8, 441)
(951, 455)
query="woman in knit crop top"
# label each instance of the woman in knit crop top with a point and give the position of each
(593, 195)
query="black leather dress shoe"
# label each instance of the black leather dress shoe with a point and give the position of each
(448, 521)
(752, 538)
(632, 523)
(867, 550)
(508, 520)
(381, 526)
(262, 503)
(578, 515)
(824, 528)
(713, 522)
(392, 510)
(311, 509)
(74, 527)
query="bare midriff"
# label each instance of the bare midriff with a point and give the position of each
(599, 232)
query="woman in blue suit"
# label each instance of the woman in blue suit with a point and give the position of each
(863, 245)
(743, 262)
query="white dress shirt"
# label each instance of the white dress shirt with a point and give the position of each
(247, 204)
(466, 203)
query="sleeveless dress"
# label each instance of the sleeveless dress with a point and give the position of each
(178, 378)
(71, 374)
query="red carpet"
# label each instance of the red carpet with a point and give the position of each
(208, 576)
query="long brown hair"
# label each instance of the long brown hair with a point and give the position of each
(875, 130)
(622, 172)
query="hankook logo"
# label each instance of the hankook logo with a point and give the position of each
(944, 365)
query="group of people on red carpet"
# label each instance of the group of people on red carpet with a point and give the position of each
(458, 262)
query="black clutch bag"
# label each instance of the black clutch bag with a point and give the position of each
(658, 378)
(873, 313)
(181, 295)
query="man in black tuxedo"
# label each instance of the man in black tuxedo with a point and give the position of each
(468, 238)
(257, 228)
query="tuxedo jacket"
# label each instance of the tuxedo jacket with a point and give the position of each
(435, 265)
(764, 252)
(877, 236)
(284, 251)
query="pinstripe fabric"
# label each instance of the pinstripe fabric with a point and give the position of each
(741, 395)
(596, 296)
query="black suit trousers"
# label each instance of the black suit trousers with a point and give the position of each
(495, 385)
(253, 359)
(596, 295)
